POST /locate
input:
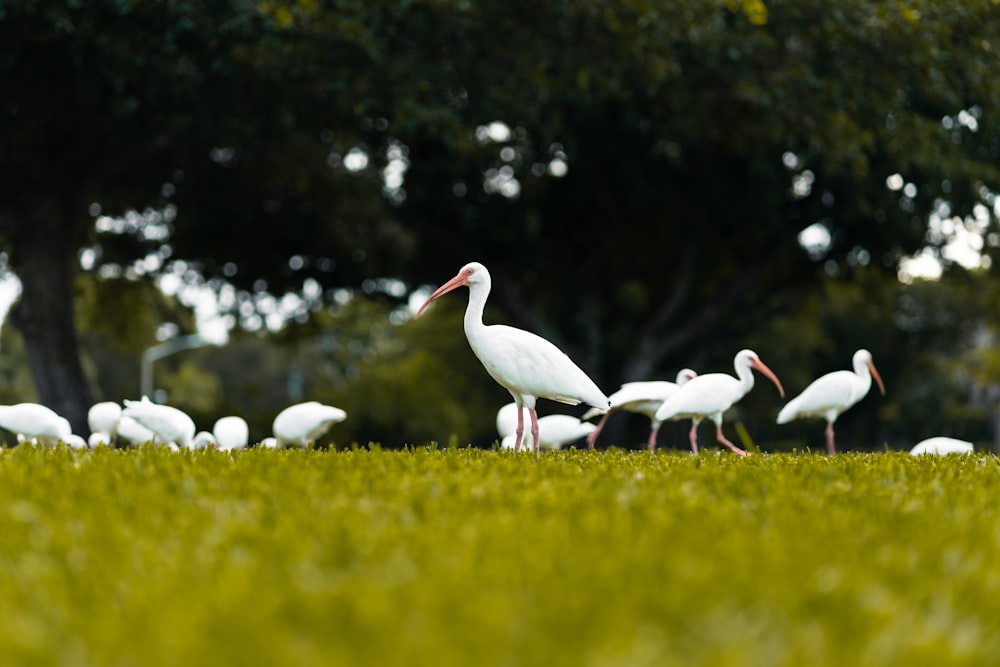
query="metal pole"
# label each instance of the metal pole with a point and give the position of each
(164, 349)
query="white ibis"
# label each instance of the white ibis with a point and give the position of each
(33, 421)
(830, 395)
(643, 398)
(554, 431)
(303, 423)
(103, 418)
(231, 433)
(269, 442)
(203, 440)
(526, 365)
(167, 423)
(942, 445)
(712, 394)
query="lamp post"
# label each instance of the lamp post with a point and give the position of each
(164, 349)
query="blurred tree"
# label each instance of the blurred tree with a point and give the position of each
(637, 175)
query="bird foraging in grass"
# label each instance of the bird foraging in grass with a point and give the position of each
(35, 422)
(523, 363)
(830, 395)
(166, 423)
(303, 423)
(941, 446)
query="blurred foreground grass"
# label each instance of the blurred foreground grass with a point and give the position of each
(468, 557)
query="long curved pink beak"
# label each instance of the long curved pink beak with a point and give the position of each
(454, 283)
(759, 365)
(878, 378)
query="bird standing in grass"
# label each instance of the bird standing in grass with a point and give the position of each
(712, 394)
(526, 365)
(830, 395)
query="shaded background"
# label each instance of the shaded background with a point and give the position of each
(653, 185)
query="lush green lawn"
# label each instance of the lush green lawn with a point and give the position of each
(468, 557)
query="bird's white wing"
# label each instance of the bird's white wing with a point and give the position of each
(530, 365)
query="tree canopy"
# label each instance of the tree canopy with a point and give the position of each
(637, 175)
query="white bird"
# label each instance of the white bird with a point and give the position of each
(203, 440)
(554, 431)
(526, 365)
(167, 423)
(303, 423)
(98, 439)
(134, 432)
(231, 433)
(942, 445)
(33, 421)
(269, 443)
(643, 398)
(830, 395)
(712, 394)
(103, 418)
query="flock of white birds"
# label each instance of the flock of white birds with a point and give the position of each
(142, 422)
(528, 366)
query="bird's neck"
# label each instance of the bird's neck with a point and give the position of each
(864, 378)
(745, 374)
(478, 293)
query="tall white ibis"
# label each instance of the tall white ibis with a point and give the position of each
(166, 422)
(554, 431)
(303, 423)
(526, 365)
(643, 398)
(33, 421)
(712, 394)
(942, 445)
(231, 433)
(830, 395)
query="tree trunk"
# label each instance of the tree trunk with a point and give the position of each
(43, 256)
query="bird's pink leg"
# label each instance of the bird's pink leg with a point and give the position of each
(592, 438)
(534, 431)
(652, 437)
(519, 433)
(830, 448)
(721, 438)
(694, 436)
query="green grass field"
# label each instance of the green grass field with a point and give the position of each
(469, 557)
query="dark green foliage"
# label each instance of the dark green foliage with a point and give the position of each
(698, 139)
